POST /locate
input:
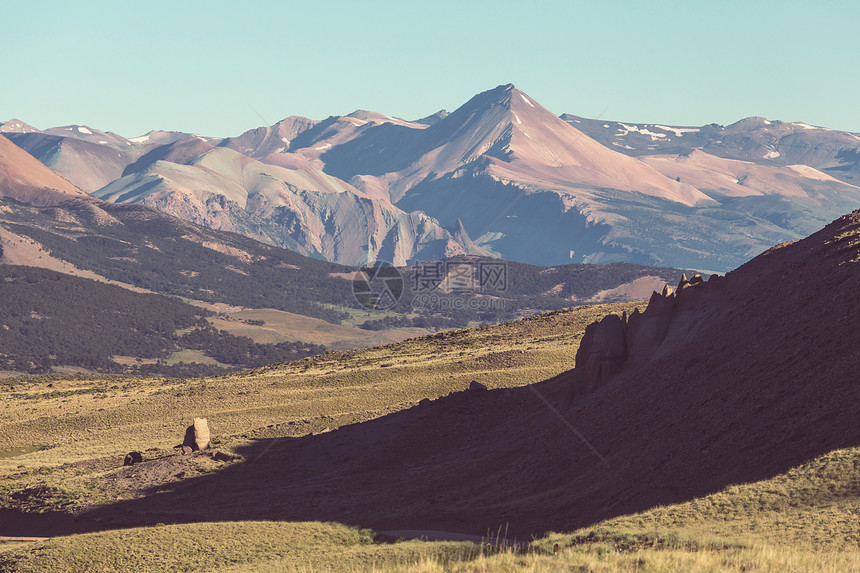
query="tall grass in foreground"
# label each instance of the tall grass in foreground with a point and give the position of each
(275, 547)
(596, 559)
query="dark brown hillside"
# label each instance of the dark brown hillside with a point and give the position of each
(765, 378)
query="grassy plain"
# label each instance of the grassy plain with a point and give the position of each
(58, 435)
(81, 418)
(280, 326)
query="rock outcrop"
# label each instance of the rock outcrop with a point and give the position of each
(617, 342)
(196, 435)
(601, 353)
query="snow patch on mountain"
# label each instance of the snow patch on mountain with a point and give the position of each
(17, 126)
(644, 131)
(679, 131)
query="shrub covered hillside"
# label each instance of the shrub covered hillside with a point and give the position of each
(148, 249)
(51, 319)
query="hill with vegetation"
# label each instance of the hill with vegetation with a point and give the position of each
(53, 319)
(141, 249)
(717, 452)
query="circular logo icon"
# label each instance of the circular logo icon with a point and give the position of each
(378, 287)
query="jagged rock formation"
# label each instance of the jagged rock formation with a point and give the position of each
(617, 342)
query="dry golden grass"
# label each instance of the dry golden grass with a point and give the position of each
(766, 559)
(804, 520)
(280, 326)
(84, 418)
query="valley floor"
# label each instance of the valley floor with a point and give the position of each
(62, 443)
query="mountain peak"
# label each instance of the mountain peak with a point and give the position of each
(752, 122)
(503, 90)
(363, 116)
(507, 95)
(159, 137)
(294, 119)
(89, 134)
(15, 125)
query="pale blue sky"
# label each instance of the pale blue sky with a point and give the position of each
(212, 67)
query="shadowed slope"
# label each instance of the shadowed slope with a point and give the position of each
(764, 380)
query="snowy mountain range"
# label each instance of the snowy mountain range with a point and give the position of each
(499, 176)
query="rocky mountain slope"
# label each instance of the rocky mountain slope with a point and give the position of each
(500, 176)
(47, 222)
(87, 160)
(298, 207)
(753, 139)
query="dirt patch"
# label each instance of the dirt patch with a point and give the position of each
(162, 470)
(22, 250)
(502, 359)
(346, 276)
(637, 289)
